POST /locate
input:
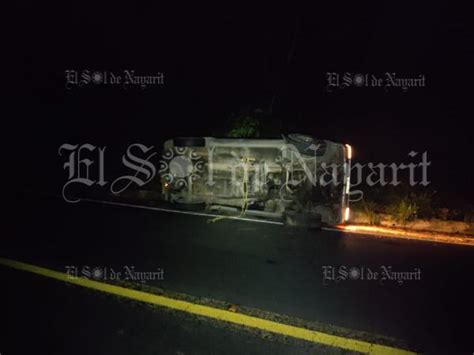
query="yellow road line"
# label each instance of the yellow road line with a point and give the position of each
(215, 313)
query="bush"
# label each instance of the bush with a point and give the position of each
(469, 215)
(443, 213)
(246, 124)
(404, 211)
(424, 203)
(369, 208)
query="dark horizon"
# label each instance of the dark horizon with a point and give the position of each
(215, 65)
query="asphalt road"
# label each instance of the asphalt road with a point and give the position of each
(63, 319)
(266, 267)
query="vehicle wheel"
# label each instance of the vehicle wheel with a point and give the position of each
(302, 219)
(307, 144)
(189, 142)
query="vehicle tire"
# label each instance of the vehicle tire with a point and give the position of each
(307, 144)
(302, 219)
(190, 206)
(189, 142)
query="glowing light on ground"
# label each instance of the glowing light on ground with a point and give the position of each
(380, 231)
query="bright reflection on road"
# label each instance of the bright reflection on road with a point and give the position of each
(380, 231)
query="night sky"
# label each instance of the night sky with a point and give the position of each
(221, 60)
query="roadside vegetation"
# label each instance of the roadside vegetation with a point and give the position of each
(403, 205)
(245, 124)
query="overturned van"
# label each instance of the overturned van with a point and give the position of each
(298, 178)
